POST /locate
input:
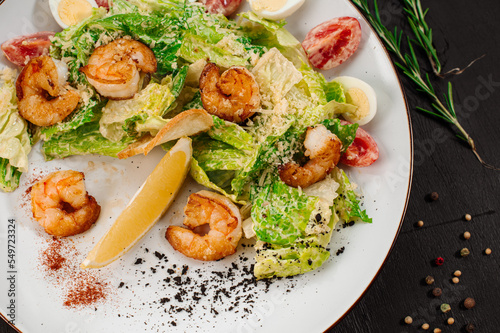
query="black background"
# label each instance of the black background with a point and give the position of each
(463, 31)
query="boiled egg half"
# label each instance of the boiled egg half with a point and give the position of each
(275, 9)
(71, 12)
(360, 94)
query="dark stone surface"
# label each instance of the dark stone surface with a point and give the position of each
(463, 31)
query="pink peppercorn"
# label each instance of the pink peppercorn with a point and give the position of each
(439, 261)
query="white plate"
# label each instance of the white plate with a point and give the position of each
(309, 303)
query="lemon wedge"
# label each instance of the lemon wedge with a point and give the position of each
(146, 207)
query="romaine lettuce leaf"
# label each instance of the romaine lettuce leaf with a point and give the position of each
(9, 176)
(15, 141)
(314, 84)
(215, 155)
(195, 103)
(83, 115)
(281, 213)
(201, 177)
(288, 261)
(150, 6)
(334, 91)
(346, 133)
(276, 75)
(312, 116)
(147, 107)
(232, 134)
(195, 48)
(178, 81)
(347, 204)
(84, 140)
(305, 254)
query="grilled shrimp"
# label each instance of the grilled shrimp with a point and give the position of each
(233, 96)
(61, 204)
(44, 96)
(323, 149)
(113, 69)
(224, 220)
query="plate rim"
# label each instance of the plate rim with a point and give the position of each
(410, 178)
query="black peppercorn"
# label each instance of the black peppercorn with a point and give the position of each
(434, 196)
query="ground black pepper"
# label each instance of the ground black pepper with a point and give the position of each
(215, 292)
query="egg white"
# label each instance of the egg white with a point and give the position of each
(288, 9)
(54, 4)
(349, 82)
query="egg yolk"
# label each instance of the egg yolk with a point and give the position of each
(358, 98)
(73, 12)
(269, 5)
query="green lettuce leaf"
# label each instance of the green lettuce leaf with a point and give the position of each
(9, 176)
(276, 75)
(79, 117)
(334, 91)
(84, 140)
(144, 112)
(281, 213)
(215, 155)
(201, 177)
(195, 48)
(150, 6)
(288, 261)
(195, 103)
(348, 204)
(15, 141)
(298, 258)
(232, 134)
(346, 133)
(315, 115)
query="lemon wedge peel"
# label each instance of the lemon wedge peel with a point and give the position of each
(147, 206)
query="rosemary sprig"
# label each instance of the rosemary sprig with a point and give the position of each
(409, 65)
(416, 18)
(423, 34)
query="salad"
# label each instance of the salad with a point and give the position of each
(242, 160)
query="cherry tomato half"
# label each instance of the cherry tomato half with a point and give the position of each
(332, 42)
(21, 50)
(362, 152)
